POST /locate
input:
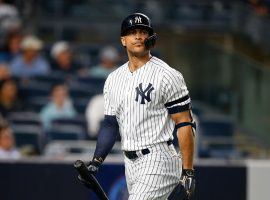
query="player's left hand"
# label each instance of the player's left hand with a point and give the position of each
(188, 181)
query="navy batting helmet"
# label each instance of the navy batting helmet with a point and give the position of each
(136, 20)
(139, 20)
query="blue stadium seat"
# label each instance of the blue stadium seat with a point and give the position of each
(217, 127)
(37, 103)
(80, 104)
(92, 80)
(34, 89)
(29, 136)
(50, 79)
(82, 91)
(25, 118)
(79, 121)
(94, 83)
(66, 132)
(216, 137)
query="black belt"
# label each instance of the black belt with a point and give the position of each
(133, 154)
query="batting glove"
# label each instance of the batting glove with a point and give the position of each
(188, 181)
(94, 165)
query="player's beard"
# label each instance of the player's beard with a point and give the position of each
(138, 54)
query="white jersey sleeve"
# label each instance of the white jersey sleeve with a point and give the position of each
(175, 92)
(109, 107)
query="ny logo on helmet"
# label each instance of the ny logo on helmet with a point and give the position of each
(145, 94)
(138, 20)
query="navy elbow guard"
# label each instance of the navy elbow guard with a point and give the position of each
(192, 124)
(107, 137)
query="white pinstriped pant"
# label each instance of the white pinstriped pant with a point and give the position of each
(153, 176)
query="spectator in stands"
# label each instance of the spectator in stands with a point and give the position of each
(63, 60)
(30, 63)
(94, 115)
(59, 106)
(109, 57)
(12, 46)
(4, 71)
(7, 142)
(9, 17)
(259, 7)
(9, 101)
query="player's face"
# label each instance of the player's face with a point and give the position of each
(134, 41)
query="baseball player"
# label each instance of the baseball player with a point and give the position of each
(145, 99)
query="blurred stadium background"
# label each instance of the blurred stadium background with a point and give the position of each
(222, 47)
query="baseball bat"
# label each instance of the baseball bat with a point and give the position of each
(91, 179)
(178, 193)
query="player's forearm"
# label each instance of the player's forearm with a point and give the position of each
(186, 144)
(107, 137)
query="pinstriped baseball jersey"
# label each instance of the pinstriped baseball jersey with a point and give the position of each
(143, 100)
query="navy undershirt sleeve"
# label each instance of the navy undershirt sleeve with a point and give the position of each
(107, 136)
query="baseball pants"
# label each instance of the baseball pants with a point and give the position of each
(153, 176)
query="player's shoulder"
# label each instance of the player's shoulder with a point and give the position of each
(165, 68)
(116, 73)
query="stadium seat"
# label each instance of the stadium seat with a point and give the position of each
(37, 103)
(25, 118)
(34, 89)
(217, 127)
(66, 132)
(216, 137)
(77, 121)
(95, 84)
(50, 79)
(92, 80)
(80, 104)
(82, 91)
(29, 136)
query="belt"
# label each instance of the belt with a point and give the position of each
(133, 154)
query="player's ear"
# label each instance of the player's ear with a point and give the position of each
(123, 40)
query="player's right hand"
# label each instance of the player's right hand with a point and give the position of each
(94, 165)
(92, 168)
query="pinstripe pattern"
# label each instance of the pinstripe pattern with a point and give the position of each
(142, 125)
(146, 123)
(153, 176)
